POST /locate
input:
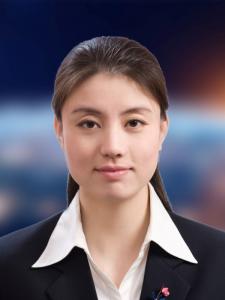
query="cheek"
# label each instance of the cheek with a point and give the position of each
(78, 153)
(147, 153)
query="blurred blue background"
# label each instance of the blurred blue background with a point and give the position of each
(188, 38)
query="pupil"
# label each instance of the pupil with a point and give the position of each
(134, 123)
(89, 124)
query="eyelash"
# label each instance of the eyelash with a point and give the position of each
(93, 122)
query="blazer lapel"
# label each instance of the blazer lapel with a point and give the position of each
(161, 271)
(75, 280)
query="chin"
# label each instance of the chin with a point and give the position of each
(116, 194)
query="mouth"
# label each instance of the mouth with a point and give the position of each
(114, 174)
(113, 168)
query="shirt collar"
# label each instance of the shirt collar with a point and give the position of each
(68, 233)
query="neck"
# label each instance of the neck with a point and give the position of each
(115, 225)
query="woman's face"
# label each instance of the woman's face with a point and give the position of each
(110, 121)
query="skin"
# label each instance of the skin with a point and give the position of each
(109, 206)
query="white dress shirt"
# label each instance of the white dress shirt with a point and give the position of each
(68, 233)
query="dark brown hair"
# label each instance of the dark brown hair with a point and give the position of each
(118, 56)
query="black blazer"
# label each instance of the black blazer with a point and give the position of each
(71, 278)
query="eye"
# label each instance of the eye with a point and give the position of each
(88, 124)
(134, 122)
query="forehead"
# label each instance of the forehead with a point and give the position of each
(105, 91)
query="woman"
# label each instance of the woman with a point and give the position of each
(119, 237)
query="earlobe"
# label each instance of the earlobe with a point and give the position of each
(58, 131)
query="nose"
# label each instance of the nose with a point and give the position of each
(113, 143)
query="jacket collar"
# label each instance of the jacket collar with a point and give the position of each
(165, 270)
(74, 280)
(162, 269)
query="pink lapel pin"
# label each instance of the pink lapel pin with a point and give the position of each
(161, 294)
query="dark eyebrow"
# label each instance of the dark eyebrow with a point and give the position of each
(92, 111)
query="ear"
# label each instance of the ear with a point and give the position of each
(58, 127)
(164, 126)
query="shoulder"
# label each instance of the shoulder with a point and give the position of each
(203, 240)
(27, 243)
(189, 227)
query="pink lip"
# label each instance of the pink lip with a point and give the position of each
(113, 172)
(112, 168)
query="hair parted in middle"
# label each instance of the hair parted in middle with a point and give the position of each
(115, 55)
